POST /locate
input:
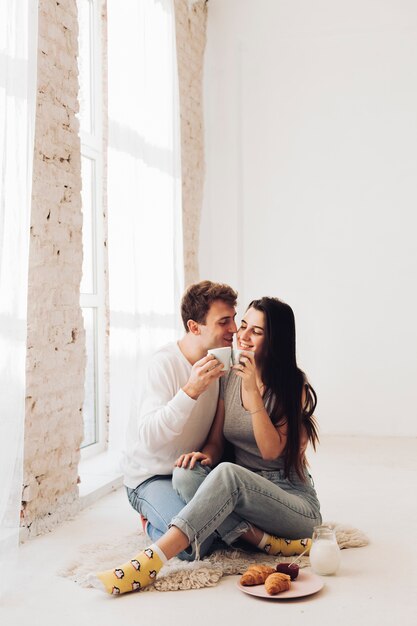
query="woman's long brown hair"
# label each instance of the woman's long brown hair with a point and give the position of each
(285, 383)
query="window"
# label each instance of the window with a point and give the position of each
(92, 299)
(144, 198)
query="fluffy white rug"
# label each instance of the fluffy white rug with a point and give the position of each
(178, 574)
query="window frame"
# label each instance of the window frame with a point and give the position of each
(91, 144)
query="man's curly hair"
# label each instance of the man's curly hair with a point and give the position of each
(199, 297)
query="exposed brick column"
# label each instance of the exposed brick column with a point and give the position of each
(56, 342)
(191, 41)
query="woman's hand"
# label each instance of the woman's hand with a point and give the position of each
(246, 369)
(191, 458)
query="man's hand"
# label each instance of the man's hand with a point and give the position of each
(203, 373)
(191, 458)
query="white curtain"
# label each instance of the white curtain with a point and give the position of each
(144, 196)
(18, 55)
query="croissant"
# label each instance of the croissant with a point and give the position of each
(276, 583)
(256, 575)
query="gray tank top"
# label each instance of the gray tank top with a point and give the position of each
(238, 427)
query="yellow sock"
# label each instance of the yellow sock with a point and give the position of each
(286, 547)
(134, 575)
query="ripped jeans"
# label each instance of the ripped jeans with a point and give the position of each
(231, 498)
(157, 501)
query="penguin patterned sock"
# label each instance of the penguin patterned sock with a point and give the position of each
(134, 575)
(286, 547)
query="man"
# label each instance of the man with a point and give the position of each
(178, 404)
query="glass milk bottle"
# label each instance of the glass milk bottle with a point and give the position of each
(324, 552)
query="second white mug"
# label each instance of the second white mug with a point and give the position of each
(236, 355)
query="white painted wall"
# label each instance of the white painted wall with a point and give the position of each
(311, 190)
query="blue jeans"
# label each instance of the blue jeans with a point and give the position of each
(285, 507)
(156, 500)
(186, 482)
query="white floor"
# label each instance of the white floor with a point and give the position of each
(369, 483)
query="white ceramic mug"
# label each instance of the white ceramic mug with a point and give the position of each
(236, 355)
(223, 355)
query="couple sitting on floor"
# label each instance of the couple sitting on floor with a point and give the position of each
(263, 407)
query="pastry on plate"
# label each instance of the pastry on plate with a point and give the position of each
(277, 583)
(256, 575)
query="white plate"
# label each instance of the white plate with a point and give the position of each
(305, 584)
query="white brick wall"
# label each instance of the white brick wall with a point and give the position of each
(56, 341)
(191, 41)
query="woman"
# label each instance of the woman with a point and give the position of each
(266, 411)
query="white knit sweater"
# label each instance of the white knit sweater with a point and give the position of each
(169, 422)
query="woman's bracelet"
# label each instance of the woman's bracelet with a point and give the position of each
(262, 408)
